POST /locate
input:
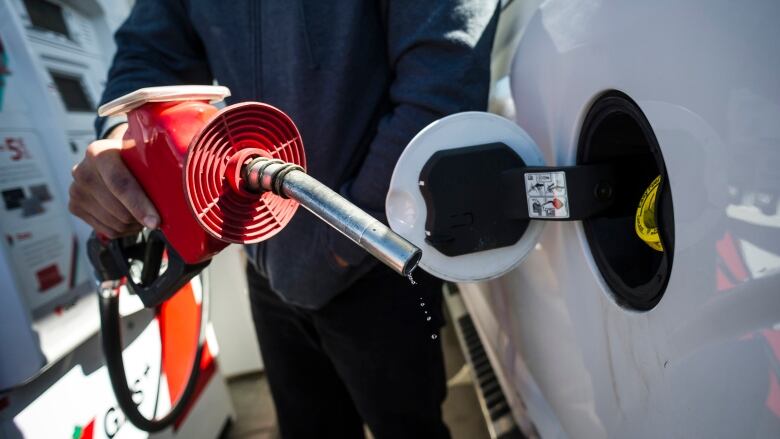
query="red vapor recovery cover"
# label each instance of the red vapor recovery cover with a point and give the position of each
(187, 156)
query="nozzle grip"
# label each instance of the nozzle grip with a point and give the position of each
(111, 261)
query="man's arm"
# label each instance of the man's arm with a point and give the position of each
(155, 46)
(439, 52)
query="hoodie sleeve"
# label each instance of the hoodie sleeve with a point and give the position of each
(157, 45)
(439, 52)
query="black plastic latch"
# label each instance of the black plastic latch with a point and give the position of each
(464, 196)
(115, 259)
(482, 197)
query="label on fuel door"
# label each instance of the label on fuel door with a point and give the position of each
(546, 194)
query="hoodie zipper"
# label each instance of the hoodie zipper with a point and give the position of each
(256, 12)
(313, 62)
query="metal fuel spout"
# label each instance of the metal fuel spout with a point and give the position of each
(290, 181)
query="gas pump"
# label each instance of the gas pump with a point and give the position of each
(216, 177)
(53, 59)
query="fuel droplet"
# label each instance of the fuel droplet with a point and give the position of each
(411, 279)
(422, 303)
(428, 318)
(434, 336)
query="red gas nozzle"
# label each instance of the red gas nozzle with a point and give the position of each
(245, 176)
(235, 175)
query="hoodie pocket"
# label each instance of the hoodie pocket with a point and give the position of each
(256, 253)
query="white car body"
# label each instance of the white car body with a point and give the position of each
(705, 361)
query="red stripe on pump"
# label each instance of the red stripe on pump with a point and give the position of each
(178, 319)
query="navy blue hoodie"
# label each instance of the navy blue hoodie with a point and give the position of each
(360, 78)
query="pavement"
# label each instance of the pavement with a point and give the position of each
(256, 418)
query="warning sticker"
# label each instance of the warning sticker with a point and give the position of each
(546, 194)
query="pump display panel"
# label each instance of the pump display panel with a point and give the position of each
(47, 16)
(72, 92)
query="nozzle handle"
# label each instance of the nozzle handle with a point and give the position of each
(111, 260)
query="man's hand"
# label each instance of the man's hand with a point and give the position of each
(106, 195)
(340, 261)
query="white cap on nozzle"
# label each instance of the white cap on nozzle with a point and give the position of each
(211, 93)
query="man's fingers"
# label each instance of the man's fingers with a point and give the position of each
(108, 202)
(339, 260)
(99, 226)
(106, 195)
(103, 206)
(106, 218)
(125, 188)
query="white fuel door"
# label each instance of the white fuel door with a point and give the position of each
(410, 215)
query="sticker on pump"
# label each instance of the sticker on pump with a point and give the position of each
(546, 194)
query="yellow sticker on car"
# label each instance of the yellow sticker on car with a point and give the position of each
(645, 220)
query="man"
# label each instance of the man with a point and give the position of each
(344, 340)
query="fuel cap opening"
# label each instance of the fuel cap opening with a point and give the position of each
(633, 243)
